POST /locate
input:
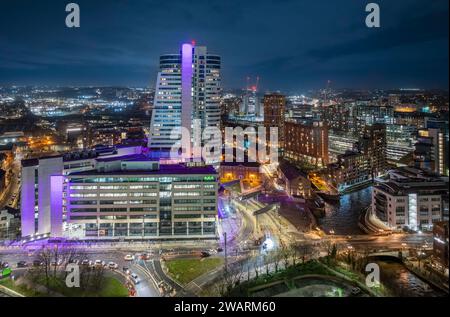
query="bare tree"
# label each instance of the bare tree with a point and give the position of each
(230, 279)
(276, 258)
(44, 257)
(306, 251)
(285, 255)
(98, 278)
(267, 264)
(255, 267)
(294, 253)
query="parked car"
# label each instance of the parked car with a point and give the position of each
(37, 263)
(4, 265)
(22, 264)
(99, 263)
(126, 270)
(205, 254)
(85, 262)
(129, 257)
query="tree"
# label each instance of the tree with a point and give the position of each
(45, 258)
(333, 251)
(294, 253)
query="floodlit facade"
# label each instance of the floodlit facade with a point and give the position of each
(410, 198)
(125, 195)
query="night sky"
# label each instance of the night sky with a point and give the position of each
(293, 45)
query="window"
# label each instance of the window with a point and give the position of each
(400, 211)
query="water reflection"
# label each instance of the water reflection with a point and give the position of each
(402, 282)
(343, 218)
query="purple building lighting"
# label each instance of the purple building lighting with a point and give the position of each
(186, 85)
(56, 205)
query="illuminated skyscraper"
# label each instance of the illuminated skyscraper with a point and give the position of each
(187, 89)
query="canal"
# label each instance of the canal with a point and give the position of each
(343, 217)
(401, 282)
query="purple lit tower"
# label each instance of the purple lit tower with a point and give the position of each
(187, 89)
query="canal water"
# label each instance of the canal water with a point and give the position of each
(402, 282)
(343, 217)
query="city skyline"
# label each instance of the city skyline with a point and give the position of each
(309, 43)
(224, 150)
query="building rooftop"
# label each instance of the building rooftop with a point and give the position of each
(244, 164)
(175, 169)
(405, 180)
(290, 171)
(127, 158)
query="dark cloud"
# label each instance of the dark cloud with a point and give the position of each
(292, 45)
(412, 30)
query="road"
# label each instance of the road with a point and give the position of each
(13, 187)
(145, 288)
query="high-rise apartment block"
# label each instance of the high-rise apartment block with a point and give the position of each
(274, 115)
(188, 88)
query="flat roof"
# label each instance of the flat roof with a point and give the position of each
(163, 170)
(128, 158)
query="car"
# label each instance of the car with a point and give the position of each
(145, 256)
(4, 265)
(113, 266)
(219, 249)
(205, 254)
(22, 264)
(134, 278)
(126, 270)
(85, 262)
(129, 257)
(99, 263)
